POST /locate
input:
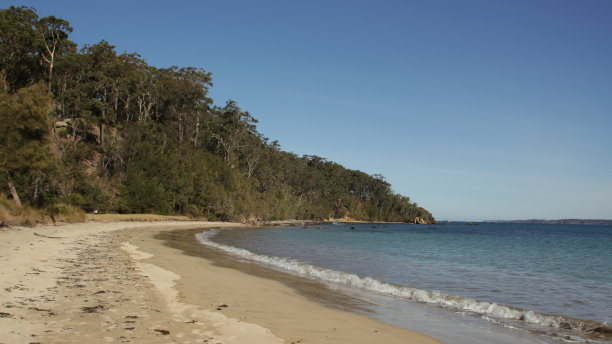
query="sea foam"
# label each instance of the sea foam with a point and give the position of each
(487, 310)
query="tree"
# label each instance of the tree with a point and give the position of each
(136, 138)
(183, 100)
(230, 128)
(137, 88)
(27, 158)
(18, 47)
(53, 33)
(25, 41)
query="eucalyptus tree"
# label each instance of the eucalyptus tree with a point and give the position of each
(137, 92)
(230, 127)
(19, 65)
(183, 101)
(53, 37)
(137, 138)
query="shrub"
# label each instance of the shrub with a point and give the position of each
(67, 213)
(13, 215)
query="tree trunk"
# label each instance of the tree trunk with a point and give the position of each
(50, 61)
(51, 74)
(35, 192)
(101, 133)
(4, 76)
(181, 128)
(197, 132)
(74, 129)
(12, 190)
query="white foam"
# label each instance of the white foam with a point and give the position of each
(458, 304)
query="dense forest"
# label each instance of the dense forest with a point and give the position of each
(100, 131)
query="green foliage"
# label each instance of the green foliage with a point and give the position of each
(27, 157)
(134, 138)
(27, 43)
(66, 213)
(19, 65)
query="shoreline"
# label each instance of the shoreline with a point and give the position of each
(426, 318)
(105, 282)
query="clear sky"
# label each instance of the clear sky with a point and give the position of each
(475, 109)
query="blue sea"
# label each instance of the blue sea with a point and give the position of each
(490, 282)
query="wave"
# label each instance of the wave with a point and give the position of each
(487, 310)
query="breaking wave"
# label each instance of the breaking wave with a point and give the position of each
(487, 310)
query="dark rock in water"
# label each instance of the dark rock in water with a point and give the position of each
(600, 329)
(352, 228)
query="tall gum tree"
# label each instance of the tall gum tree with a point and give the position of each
(18, 53)
(53, 33)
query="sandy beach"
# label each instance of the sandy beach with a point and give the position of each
(117, 282)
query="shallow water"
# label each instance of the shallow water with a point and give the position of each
(525, 276)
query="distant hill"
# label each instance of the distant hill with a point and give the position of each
(105, 132)
(558, 222)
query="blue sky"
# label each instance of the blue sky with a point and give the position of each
(475, 109)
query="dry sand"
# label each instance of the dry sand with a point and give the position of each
(115, 282)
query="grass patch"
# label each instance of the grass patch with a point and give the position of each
(13, 215)
(68, 213)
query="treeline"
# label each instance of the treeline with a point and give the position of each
(105, 131)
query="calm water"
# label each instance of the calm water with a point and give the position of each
(523, 276)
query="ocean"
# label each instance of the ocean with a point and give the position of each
(489, 282)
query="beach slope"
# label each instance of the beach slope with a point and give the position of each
(114, 282)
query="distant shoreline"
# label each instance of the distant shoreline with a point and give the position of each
(557, 222)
